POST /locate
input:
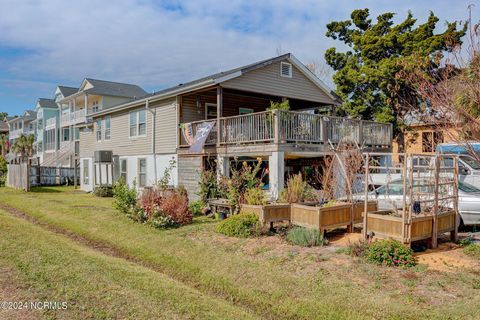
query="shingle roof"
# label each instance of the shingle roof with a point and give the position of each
(67, 91)
(29, 115)
(117, 89)
(47, 103)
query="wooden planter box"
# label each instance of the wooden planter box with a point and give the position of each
(321, 218)
(384, 225)
(268, 213)
(359, 207)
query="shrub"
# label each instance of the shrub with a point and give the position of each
(3, 171)
(103, 191)
(242, 225)
(196, 207)
(149, 200)
(297, 190)
(472, 250)
(125, 199)
(174, 204)
(255, 196)
(208, 185)
(465, 241)
(390, 253)
(357, 249)
(305, 237)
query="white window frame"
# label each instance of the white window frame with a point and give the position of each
(107, 130)
(95, 106)
(137, 124)
(86, 172)
(290, 69)
(122, 172)
(139, 173)
(98, 131)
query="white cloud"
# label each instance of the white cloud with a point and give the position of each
(155, 44)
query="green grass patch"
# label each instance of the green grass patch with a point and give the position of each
(305, 237)
(472, 250)
(271, 285)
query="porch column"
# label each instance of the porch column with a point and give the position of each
(223, 166)
(219, 111)
(86, 104)
(276, 168)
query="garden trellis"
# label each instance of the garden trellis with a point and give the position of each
(419, 198)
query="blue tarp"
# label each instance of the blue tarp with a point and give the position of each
(457, 148)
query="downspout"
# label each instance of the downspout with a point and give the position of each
(154, 114)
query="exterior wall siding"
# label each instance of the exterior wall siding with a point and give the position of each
(267, 80)
(189, 168)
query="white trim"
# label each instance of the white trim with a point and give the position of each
(290, 69)
(137, 124)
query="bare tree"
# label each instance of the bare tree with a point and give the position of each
(451, 94)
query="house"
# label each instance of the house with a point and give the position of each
(74, 107)
(145, 135)
(47, 134)
(22, 125)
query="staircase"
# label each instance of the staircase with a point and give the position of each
(63, 153)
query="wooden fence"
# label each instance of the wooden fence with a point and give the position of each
(24, 176)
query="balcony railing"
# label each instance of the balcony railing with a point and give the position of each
(72, 118)
(51, 123)
(283, 126)
(15, 133)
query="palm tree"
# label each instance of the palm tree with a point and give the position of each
(24, 146)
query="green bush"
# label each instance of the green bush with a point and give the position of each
(305, 237)
(472, 250)
(242, 225)
(255, 196)
(390, 253)
(163, 222)
(196, 207)
(125, 198)
(3, 171)
(104, 191)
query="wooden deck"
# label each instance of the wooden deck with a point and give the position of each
(282, 127)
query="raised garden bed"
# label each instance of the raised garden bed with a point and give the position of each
(386, 224)
(269, 213)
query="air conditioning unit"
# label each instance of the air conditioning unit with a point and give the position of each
(103, 156)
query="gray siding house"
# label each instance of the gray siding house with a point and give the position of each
(146, 134)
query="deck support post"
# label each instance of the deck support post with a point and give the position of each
(223, 166)
(219, 113)
(276, 167)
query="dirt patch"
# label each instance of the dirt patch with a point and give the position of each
(447, 257)
(11, 290)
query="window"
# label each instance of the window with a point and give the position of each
(210, 111)
(86, 173)
(285, 69)
(430, 140)
(40, 124)
(99, 130)
(95, 107)
(123, 169)
(245, 110)
(138, 123)
(142, 172)
(107, 128)
(66, 134)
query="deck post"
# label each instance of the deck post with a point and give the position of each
(454, 233)
(360, 132)
(219, 113)
(276, 126)
(276, 167)
(435, 205)
(223, 166)
(365, 208)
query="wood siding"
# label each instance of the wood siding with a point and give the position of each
(123, 145)
(267, 80)
(188, 174)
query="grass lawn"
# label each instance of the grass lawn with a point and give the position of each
(179, 272)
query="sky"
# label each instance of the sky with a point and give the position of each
(157, 44)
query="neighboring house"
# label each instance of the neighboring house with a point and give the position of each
(46, 142)
(23, 125)
(144, 135)
(421, 137)
(76, 104)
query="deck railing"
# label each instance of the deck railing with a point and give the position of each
(282, 126)
(72, 118)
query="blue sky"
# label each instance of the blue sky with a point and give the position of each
(156, 44)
